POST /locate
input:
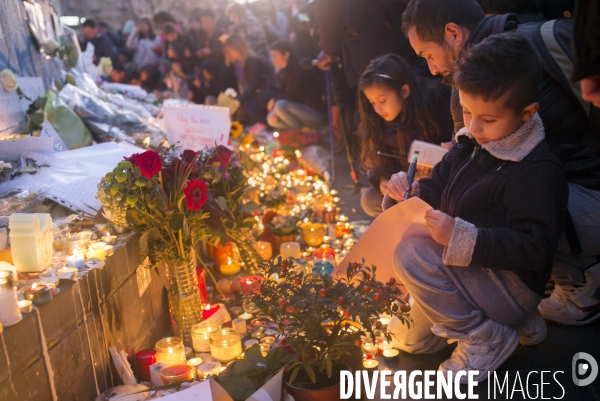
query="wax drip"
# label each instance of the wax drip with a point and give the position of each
(46, 356)
(85, 323)
(112, 380)
(12, 386)
(76, 322)
(96, 331)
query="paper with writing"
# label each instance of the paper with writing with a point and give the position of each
(12, 149)
(376, 246)
(32, 87)
(48, 131)
(197, 127)
(11, 112)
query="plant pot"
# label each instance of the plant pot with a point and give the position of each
(280, 239)
(330, 392)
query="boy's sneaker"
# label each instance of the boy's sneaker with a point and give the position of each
(576, 304)
(533, 329)
(483, 349)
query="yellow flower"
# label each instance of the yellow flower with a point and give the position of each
(236, 129)
(8, 80)
(247, 140)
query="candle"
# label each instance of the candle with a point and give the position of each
(391, 356)
(109, 250)
(170, 349)
(25, 306)
(76, 260)
(264, 249)
(216, 313)
(67, 273)
(264, 348)
(32, 241)
(202, 285)
(343, 218)
(258, 334)
(3, 239)
(239, 325)
(145, 358)
(290, 250)
(250, 307)
(195, 362)
(370, 348)
(155, 373)
(250, 284)
(322, 268)
(236, 285)
(39, 294)
(201, 335)
(209, 368)
(97, 251)
(225, 345)
(100, 229)
(109, 239)
(312, 234)
(384, 346)
(329, 215)
(177, 373)
(224, 285)
(249, 343)
(246, 316)
(270, 332)
(223, 252)
(370, 365)
(267, 340)
(230, 268)
(10, 313)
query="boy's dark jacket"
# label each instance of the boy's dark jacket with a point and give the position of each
(508, 214)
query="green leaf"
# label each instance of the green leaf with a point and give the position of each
(328, 366)
(250, 207)
(161, 198)
(143, 245)
(294, 374)
(36, 118)
(255, 358)
(71, 60)
(176, 221)
(309, 371)
(223, 204)
(58, 85)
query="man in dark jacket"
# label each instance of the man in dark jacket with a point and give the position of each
(438, 30)
(299, 102)
(587, 47)
(103, 46)
(481, 277)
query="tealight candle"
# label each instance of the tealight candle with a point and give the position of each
(39, 294)
(249, 343)
(267, 340)
(264, 249)
(67, 273)
(201, 335)
(264, 348)
(257, 335)
(230, 268)
(177, 373)
(76, 260)
(170, 349)
(246, 316)
(312, 234)
(370, 365)
(109, 239)
(209, 368)
(370, 348)
(384, 346)
(25, 306)
(236, 310)
(391, 356)
(195, 362)
(271, 332)
(109, 250)
(250, 284)
(225, 345)
(239, 325)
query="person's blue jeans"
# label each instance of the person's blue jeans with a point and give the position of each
(288, 116)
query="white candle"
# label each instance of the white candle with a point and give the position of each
(32, 245)
(76, 260)
(155, 373)
(246, 316)
(209, 368)
(109, 239)
(290, 250)
(250, 343)
(201, 335)
(239, 325)
(10, 313)
(370, 348)
(67, 273)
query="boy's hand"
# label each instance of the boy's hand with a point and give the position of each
(398, 185)
(383, 185)
(440, 226)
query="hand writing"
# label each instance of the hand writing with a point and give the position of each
(440, 226)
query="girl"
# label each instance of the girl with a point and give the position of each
(255, 80)
(396, 109)
(142, 42)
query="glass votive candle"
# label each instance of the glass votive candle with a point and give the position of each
(109, 250)
(70, 244)
(313, 234)
(201, 335)
(170, 349)
(268, 340)
(25, 306)
(39, 294)
(177, 373)
(225, 345)
(264, 249)
(264, 348)
(290, 250)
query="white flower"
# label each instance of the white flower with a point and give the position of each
(231, 93)
(105, 66)
(50, 47)
(4, 165)
(8, 79)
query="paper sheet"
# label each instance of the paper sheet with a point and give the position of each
(12, 149)
(199, 392)
(271, 391)
(376, 246)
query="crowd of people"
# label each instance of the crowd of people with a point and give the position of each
(517, 196)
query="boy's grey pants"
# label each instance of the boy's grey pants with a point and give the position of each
(458, 298)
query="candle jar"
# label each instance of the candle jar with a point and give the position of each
(144, 359)
(290, 250)
(230, 268)
(323, 267)
(38, 294)
(10, 313)
(264, 249)
(201, 335)
(178, 373)
(225, 345)
(329, 214)
(170, 349)
(70, 244)
(76, 260)
(313, 234)
(250, 284)
(341, 229)
(224, 252)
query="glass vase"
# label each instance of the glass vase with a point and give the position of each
(185, 304)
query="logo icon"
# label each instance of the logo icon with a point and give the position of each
(590, 366)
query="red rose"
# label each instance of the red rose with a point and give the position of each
(133, 158)
(189, 156)
(268, 217)
(196, 194)
(222, 155)
(149, 163)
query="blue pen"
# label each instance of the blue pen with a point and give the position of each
(412, 168)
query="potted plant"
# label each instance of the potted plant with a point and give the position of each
(284, 228)
(318, 315)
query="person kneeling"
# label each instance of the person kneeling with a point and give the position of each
(501, 199)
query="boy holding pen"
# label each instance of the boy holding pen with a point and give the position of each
(500, 198)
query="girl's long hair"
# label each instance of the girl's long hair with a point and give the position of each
(238, 43)
(151, 33)
(416, 121)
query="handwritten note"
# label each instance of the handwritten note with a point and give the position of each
(197, 126)
(32, 87)
(12, 149)
(48, 131)
(11, 113)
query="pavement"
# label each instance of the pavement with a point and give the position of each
(524, 368)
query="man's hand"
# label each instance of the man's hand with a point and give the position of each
(383, 186)
(590, 89)
(398, 185)
(440, 226)
(324, 61)
(271, 104)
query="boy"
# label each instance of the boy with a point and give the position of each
(501, 199)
